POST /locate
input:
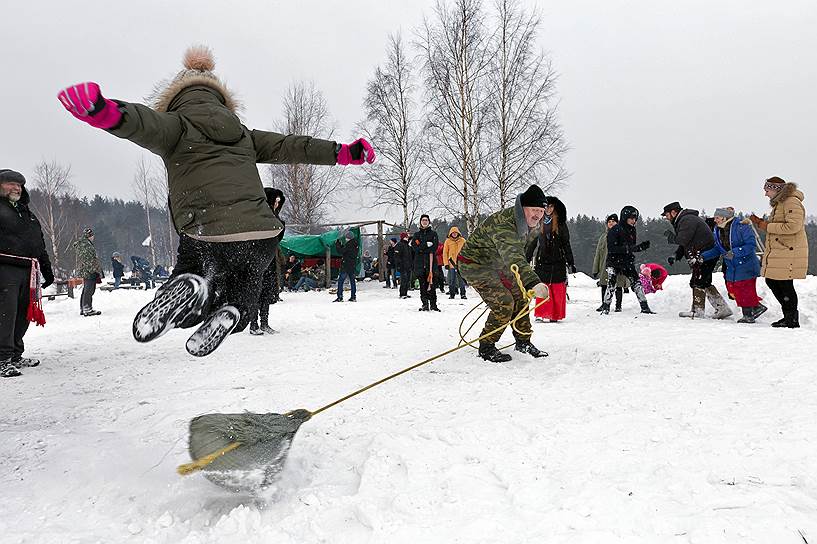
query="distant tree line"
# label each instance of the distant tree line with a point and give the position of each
(585, 232)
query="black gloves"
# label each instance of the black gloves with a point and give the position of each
(643, 246)
(572, 268)
(595, 276)
(671, 260)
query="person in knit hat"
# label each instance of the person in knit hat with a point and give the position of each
(500, 241)
(424, 245)
(23, 260)
(227, 232)
(785, 255)
(735, 242)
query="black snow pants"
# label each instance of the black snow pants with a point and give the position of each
(14, 297)
(233, 271)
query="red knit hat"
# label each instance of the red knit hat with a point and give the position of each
(404, 235)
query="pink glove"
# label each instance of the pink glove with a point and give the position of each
(85, 102)
(355, 153)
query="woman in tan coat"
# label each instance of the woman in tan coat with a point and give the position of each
(785, 257)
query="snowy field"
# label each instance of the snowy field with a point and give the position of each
(637, 428)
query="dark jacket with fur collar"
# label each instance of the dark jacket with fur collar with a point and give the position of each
(215, 191)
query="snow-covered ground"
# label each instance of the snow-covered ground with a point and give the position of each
(636, 428)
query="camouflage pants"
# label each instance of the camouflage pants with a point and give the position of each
(504, 299)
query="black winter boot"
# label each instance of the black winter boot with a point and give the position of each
(605, 309)
(491, 354)
(525, 346)
(791, 320)
(424, 307)
(645, 308)
(748, 315)
(434, 306)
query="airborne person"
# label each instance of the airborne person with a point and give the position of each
(227, 231)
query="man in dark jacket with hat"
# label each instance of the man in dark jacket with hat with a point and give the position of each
(694, 237)
(348, 250)
(424, 245)
(227, 232)
(621, 245)
(485, 263)
(22, 259)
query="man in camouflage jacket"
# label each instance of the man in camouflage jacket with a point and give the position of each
(89, 269)
(485, 263)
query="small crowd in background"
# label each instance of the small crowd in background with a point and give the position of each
(420, 262)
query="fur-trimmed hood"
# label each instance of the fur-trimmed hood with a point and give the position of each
(198, 65)
(788, 190)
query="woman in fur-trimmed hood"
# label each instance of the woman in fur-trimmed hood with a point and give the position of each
(227, 232)
(785, 256)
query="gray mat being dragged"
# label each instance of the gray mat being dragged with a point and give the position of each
(265, 440)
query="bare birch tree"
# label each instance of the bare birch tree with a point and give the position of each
(309, 189)
(527, 141)
(392, 126)
(162, 201)
(455, 51)
(53, 181)
(144, 187)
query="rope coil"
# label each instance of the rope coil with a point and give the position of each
(528, 295)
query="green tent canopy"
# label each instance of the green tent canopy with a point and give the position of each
(314, 245)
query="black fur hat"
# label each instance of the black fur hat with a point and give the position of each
(12, 176)
(533, 197)
(612, 217)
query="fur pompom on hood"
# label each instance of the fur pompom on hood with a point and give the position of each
(198, 62)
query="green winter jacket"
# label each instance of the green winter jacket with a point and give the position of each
(87, 261)
(215, 191)
(500, 241)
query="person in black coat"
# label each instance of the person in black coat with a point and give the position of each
(348, 267)
(22, 254)
(424, 244)
(403, 262)
(118, 269)
(270, 286)
(552, 256)
(390, 264)
(621, 246)
(694, 237)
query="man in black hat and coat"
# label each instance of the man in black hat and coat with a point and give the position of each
(694, 237)
(22, 259)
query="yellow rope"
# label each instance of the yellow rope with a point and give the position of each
(199, 464)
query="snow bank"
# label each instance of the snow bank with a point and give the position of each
(635, 429)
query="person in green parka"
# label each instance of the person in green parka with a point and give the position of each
(600, 268)
(227, 232)
(89, 269)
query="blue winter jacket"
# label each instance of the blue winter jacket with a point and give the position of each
(745, 265)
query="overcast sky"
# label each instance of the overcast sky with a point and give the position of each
(697, 101)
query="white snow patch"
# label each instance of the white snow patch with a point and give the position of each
(636, 428)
